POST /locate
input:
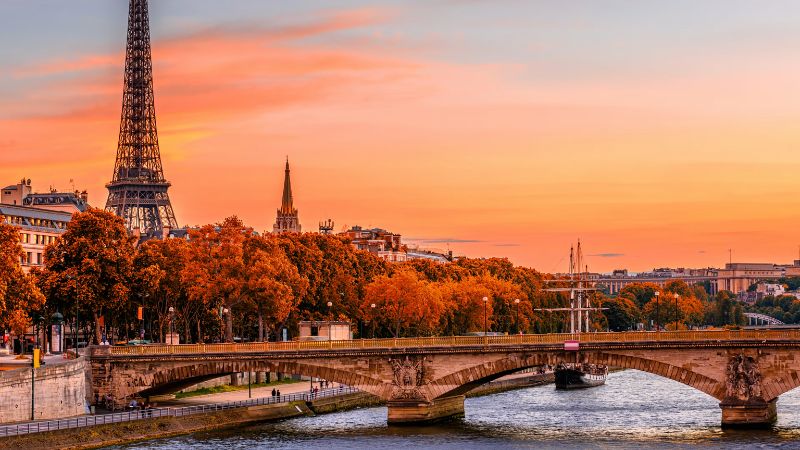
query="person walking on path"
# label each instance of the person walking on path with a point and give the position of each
(273, 392)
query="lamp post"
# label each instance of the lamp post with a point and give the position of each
(485, 328)
(75, 330)
(516, 302)
(330, 318)
(658, 323)
(372, 317)
(224, 323)
(171, 317)
(676, 311)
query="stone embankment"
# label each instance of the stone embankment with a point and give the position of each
(141, 430)
(59, 391)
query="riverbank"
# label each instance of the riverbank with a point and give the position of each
(164, 427)
(143, 430)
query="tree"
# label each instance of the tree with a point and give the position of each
(640, 293)
(20, 297)
(726, 310)
(621, 314)
(159, 284)
(214, 273)
(272, 284)
(403, 302)
(465, 309)
(90, 266)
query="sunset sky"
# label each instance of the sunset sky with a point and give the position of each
(660, 133)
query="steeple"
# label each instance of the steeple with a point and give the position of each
(286, 203)
(287, 220)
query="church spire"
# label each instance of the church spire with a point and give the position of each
(287, 220)
(287, 205)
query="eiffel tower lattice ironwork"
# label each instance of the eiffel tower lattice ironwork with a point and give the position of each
(138, 190)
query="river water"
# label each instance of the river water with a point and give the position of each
(632, 410)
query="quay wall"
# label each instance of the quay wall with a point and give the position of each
(60, 391)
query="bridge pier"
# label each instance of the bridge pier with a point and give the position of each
(758, 414)
(405, 412)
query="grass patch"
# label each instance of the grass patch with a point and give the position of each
(229, 388)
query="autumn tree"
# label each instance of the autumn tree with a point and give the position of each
(20, 297)
(403, 302)
(90, 266)
(159, 284)
(215, 270)
(273, 286)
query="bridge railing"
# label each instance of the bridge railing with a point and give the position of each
(456, 341)
(130, 416)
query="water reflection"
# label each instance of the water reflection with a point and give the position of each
(632, 410)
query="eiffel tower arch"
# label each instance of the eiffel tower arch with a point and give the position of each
(138, 189)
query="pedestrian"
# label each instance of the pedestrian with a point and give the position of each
(279, 393)
(273, 392)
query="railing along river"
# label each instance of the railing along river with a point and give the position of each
(464, 341)
(130, 416)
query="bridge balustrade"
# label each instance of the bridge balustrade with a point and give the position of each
(453, 341)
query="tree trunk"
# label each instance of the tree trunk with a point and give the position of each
(260, 326)
(98, 332)
(229, 325)
(199, 336)
(188, 338)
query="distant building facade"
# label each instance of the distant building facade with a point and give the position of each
(384, 244)
(41, 218)
(287, 220)
(390, 247)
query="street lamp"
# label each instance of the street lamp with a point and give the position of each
(330, 318)
(676, 311)
(171, 318)
(658, 315)
(516, 302)
(372, 306)
(75, 331)
(224, 324)
(485, 302)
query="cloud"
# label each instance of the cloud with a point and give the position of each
(507, 245)
(608, 255)
(446, 240)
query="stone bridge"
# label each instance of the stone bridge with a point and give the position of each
(425, 379)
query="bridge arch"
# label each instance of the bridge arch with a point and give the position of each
(171, 378)
(463, 381)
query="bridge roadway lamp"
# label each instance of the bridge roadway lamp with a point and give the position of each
(516, 302)
(676, 310)
(485, 329)
(171, 317)
(330, 318)
(658, 322)
(372, 317)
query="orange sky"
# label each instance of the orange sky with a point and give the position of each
(650, 168)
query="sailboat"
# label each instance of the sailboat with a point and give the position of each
(578, 375)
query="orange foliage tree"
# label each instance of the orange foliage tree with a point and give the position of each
(214, 273)
(404, 303)
(90, 266)
(273, 286)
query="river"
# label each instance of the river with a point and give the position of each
(632, 410)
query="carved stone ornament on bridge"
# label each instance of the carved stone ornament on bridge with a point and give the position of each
(409, 377)
(742, 379)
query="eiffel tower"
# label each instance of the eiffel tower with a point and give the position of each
(138, 190)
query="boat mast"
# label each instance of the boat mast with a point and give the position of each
(572, 291)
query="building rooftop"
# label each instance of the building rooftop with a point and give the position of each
(34, 213)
